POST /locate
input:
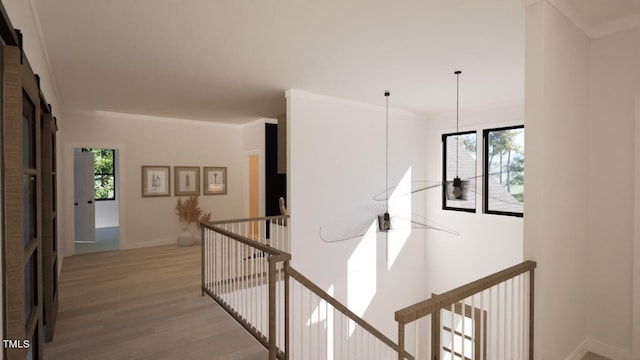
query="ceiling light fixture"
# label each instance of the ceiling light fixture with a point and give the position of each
(457, 189)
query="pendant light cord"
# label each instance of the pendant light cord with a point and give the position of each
(457, 115)
(386, 94)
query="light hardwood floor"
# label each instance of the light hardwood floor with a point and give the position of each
(592, 356)
(143, 304)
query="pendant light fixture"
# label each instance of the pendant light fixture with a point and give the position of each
(457, 189)
(384, 220)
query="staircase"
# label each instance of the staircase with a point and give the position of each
(246, 270)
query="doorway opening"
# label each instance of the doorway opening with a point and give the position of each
(96, 200)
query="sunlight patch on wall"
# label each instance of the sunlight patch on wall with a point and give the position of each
(324, 313)
(361, 272)
(319, 314)
(400, 210)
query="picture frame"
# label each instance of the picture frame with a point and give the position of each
(187, 180)
(215, 180)
(156, 180)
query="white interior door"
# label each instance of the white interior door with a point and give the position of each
(84, 202)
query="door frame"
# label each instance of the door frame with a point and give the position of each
(246, 156)
(69, 186)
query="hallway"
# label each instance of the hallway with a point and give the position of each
(143, 304)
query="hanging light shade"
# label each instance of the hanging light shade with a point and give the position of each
(457, 189)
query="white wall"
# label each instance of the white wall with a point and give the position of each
(581, 119)
(486, 243)
(142, 140)
(336, 166)
(556, 138)
(614, 82)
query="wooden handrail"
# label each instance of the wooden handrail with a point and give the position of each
(232, 221)
(245, 240)
(340, 307)
(437, 302)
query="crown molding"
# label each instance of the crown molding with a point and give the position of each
(294, 93)
(592, 31)
(621, 24)
(259, 121)
(166, 120)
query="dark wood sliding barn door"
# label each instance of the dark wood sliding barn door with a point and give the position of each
(22, 208)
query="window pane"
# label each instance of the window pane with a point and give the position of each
(53, 193)
(27, 291)
(104, 170)
(105, 187)
(30, 285)
(54, 233)
(30, 214)
(55, 277)
(53, 152)
(28, 133)
(459, 158)
(504, 159)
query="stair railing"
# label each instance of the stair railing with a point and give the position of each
(245, 276)
(249, 275)
(323, 328)
(268, 230)
(491, 318)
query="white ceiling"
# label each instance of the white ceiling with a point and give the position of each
(232, 60)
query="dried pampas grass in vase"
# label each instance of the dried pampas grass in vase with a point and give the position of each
(188, 213)
(204, 218)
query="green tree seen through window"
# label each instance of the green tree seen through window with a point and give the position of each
(104, 173)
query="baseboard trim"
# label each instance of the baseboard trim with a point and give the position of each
(580, 351)
(600, 348)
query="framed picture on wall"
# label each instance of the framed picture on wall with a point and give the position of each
(156, 181)
(215, 180)
(187, 180)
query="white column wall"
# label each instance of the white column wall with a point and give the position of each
(336, 166)
(614, 84)
(555, 223)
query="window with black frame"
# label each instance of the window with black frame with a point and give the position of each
(504, 169)
(459, 171)
(104, 173)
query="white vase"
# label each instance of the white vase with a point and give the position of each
(185, 238)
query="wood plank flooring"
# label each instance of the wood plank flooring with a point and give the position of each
(592, 356)
(143, 304)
